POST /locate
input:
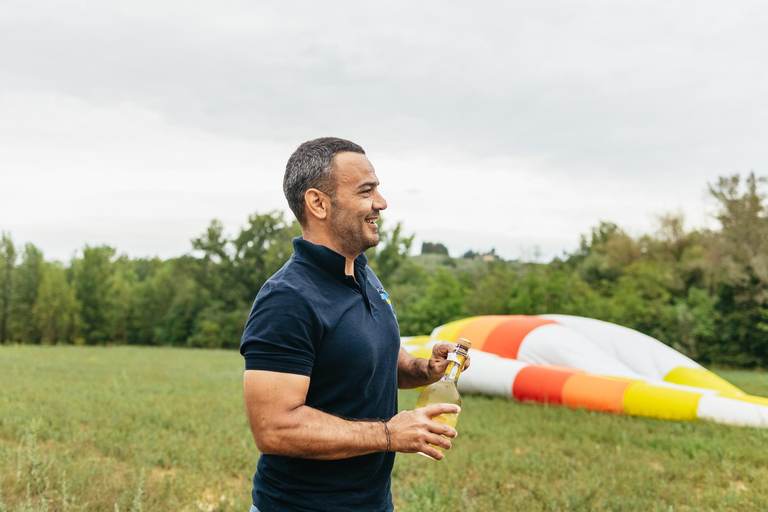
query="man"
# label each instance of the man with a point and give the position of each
(322, 351)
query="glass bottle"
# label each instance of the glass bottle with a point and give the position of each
(445, 390)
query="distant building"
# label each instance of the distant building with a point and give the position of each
(476, 256)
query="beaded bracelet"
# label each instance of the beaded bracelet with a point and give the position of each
(386, 430)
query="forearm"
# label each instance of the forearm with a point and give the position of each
(309, 433)
(412, 372)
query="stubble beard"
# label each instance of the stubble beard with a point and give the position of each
(350, 234)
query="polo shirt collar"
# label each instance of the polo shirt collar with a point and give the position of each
(328, 259)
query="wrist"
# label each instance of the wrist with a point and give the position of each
(389, 438)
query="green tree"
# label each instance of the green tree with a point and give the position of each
(742, 215)
(443, 301)
(122, 283)
(233, 270)
(742, 270)
(7, 265)
(56, 309)
(642, 300)
(215, 268)
(697, 318)
(392, 253)
(151, 299)
(601, 259)
(260, 250)
(433, 248)
(405, 280)
(492, 286)
(557, 290)
(26, 285)
(178, 323)
(93, 290)
(217, 327)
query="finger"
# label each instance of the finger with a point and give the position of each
(441, 441)
(433, 452)
(466, 363)
(443, 348)
(437, 409)
(443, 429)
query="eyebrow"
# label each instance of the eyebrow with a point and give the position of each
(368, 184)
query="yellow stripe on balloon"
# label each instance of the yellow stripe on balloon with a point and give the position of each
(700, 378)
(422, 353)
(642, 399)
(419, 341)
(449, 331)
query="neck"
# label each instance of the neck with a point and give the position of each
(321, 238)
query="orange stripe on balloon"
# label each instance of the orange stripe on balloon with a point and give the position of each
(595, 393)
(478, 329)
(543, 384)
(506, 338)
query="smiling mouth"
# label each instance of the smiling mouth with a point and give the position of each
(371, 221)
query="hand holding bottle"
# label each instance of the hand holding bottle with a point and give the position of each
(445, 390)
(439, 360)
(417, 432)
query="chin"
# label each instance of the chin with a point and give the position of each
(373, 242)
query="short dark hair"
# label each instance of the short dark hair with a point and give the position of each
(310, 166)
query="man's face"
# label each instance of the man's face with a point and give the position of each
(356, 204)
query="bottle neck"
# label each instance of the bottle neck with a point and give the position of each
(455, 366)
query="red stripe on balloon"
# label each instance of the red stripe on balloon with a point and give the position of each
(543, 384)
(506, 338)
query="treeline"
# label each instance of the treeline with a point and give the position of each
(199, 299)
(704, 292)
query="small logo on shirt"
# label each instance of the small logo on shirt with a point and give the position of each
(384, 295)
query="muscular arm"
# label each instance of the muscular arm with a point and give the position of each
(282, 424)
(412, 372)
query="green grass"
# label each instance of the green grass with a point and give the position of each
(154, 429)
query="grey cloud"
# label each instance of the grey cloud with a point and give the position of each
(631, 87)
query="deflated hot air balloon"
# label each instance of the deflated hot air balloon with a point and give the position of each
(582, 362)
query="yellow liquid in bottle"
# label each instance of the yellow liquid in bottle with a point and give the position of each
(441, 392)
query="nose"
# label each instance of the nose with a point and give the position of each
(379, 203)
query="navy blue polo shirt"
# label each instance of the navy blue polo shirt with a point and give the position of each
(311, 319)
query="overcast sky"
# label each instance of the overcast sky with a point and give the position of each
(508, 125)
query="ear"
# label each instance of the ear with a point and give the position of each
(317, 203)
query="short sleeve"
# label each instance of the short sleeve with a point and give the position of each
(281, 333)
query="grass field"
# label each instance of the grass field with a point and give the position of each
(156, 429)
